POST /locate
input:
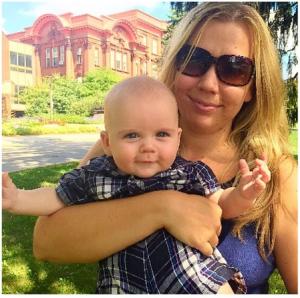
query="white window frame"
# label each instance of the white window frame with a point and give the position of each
(54, 56)
(118, 60)
(112, 59)
(48, 57)
(79, 56)
(61, 55)
(155, 46)
(124, 62)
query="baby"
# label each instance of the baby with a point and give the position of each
(141, 141)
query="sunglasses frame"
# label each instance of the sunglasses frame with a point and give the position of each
(187, 50)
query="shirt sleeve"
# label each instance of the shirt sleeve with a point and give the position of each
(86, 184)
(99, 180)
(194, 177)
(73, 189)
(205, 177)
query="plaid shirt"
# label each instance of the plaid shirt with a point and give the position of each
(159, 263)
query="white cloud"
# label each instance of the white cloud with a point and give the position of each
(93, 7)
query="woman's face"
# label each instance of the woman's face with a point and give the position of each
(205, 103)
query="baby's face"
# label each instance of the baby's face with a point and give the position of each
(144, 138)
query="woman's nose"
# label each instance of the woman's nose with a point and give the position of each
(209, 81)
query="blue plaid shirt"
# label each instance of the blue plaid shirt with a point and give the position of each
(159, 263)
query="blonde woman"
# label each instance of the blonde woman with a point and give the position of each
(223, 69)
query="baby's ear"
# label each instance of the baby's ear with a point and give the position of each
(179, 132)
(105, 142)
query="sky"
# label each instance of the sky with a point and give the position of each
(17, 15)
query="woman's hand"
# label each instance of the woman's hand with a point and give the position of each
(193, 219)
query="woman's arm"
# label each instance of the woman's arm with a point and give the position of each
(286, 238)
(95, 151)
(91, 232)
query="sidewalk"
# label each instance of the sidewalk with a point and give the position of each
(22, 152)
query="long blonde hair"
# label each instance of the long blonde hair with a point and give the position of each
(261, 126)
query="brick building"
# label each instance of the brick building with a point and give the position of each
(128, 42)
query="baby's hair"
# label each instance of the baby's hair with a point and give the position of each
(135, 87)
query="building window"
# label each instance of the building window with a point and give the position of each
(112, 59)
(28, 61)
(13, 58)
(79, 56)
(61, 55)
(137, 68)
(54, 57)
(18, 90)
(143, 69)
(154, 46)
(21, 59)
(118, 60)
(154, 70)
(124, 62)
(96, 57)
(143, 39)
(48, 61)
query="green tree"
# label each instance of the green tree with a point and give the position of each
(36, 99)
(282, 19)
(60, 95)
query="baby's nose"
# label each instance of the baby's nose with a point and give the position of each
(147, 146)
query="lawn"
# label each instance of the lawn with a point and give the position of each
(21, 273)
(60, 124)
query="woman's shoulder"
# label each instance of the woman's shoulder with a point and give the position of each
(287, 169)
(288, 172)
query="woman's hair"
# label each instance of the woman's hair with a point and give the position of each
(261, 125)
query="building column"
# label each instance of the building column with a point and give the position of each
(148, 65)
(87, 58)
(37, 60)
(69, 60)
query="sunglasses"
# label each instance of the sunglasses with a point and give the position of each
(230, 69)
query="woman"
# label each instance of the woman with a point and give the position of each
(228, 110)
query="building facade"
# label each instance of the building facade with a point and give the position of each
(128, 42)
(18, 72)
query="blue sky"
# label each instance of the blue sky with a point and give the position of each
(17, 15)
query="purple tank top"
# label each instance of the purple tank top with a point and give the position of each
(244, 255)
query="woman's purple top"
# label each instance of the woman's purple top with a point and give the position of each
(244, 255)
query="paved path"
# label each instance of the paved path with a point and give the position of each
(23, 152)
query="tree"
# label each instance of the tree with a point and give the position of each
(282, 19)
(61, 95)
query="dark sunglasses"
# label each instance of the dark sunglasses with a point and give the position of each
(230, 69)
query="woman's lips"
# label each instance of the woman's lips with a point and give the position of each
(204, 107)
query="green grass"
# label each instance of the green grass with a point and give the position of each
(60, 124)
(294, 142)
(21, 273)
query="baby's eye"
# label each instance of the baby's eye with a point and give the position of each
(162, 134)
(131, 135)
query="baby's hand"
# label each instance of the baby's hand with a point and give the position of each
(9, 192)
(253, 183)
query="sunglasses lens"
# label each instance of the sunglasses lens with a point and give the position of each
(197, 65)
(234, 70)
(196, 68)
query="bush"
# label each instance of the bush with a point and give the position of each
(69, 96)
(86, 106)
